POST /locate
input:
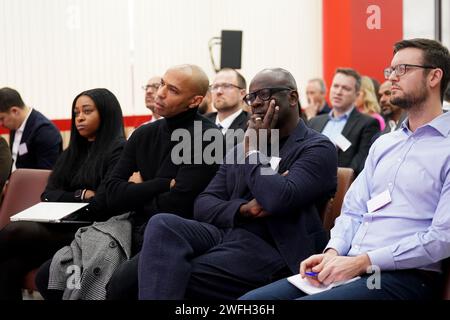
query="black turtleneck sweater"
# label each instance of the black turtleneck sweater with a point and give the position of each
(97, 210)
(148, 151)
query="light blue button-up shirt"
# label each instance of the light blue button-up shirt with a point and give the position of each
(413, 230)
(336, 124)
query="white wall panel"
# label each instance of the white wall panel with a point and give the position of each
(446, 23)
(418, 19)
(284, 33)
(53, 49)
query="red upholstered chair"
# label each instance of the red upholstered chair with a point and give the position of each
(24, 190)
(332, 209)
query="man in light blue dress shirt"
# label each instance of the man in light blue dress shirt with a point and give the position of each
(336, 124)
(394, 228)
(351, 131)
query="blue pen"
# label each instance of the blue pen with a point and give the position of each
(311, 274)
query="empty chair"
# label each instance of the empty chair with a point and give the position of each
(23, 191)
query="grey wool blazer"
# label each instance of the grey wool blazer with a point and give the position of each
(84, 268)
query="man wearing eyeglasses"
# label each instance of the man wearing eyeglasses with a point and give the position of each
(151, 88)
(148, 178)
(228, 89)
(351, 131)
(254, 222)
(395, 218)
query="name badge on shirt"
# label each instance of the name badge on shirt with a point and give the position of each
(379, 201)
(274, 162)
(342, 142)
(22, 149)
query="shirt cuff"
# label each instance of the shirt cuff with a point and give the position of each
(256, 157)
(382, 258)
(249, 153)
(339, 245)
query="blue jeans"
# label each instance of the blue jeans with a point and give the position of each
(395, 285)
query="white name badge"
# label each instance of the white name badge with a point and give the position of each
(22, 149)
(379, 201)
(342, 142)
(274, 162)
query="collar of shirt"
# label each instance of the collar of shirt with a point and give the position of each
(226, 123)
(22, 126)
(392, 125)
(181, 120)
(446, 106)
(17, 140)
(439, 124)
(345, 116)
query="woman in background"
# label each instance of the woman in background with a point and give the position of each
(367, 101)
(96, 141)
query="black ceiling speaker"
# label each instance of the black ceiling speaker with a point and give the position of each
(231, 49)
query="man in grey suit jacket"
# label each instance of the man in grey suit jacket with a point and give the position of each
(350, 130)
(228, 89)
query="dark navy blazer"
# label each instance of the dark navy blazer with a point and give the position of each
(239, 123)
(293, 223)
(43, 143)
(360, 130)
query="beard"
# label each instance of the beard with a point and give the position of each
(386, 110)
(410, 100)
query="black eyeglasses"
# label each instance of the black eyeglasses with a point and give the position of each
(264, 94)
(153, 86)
(401, 69)
(224, 86)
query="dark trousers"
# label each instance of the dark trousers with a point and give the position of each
(123, 284)
(41, 280)
(395, 285)
(186, 259)
(25, 246)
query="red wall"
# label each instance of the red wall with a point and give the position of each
(348, 42)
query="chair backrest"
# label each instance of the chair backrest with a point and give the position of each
(332, 210)
(24, 189)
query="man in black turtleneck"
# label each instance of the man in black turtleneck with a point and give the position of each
(156, 183)
(147, 179)
(254, 222)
